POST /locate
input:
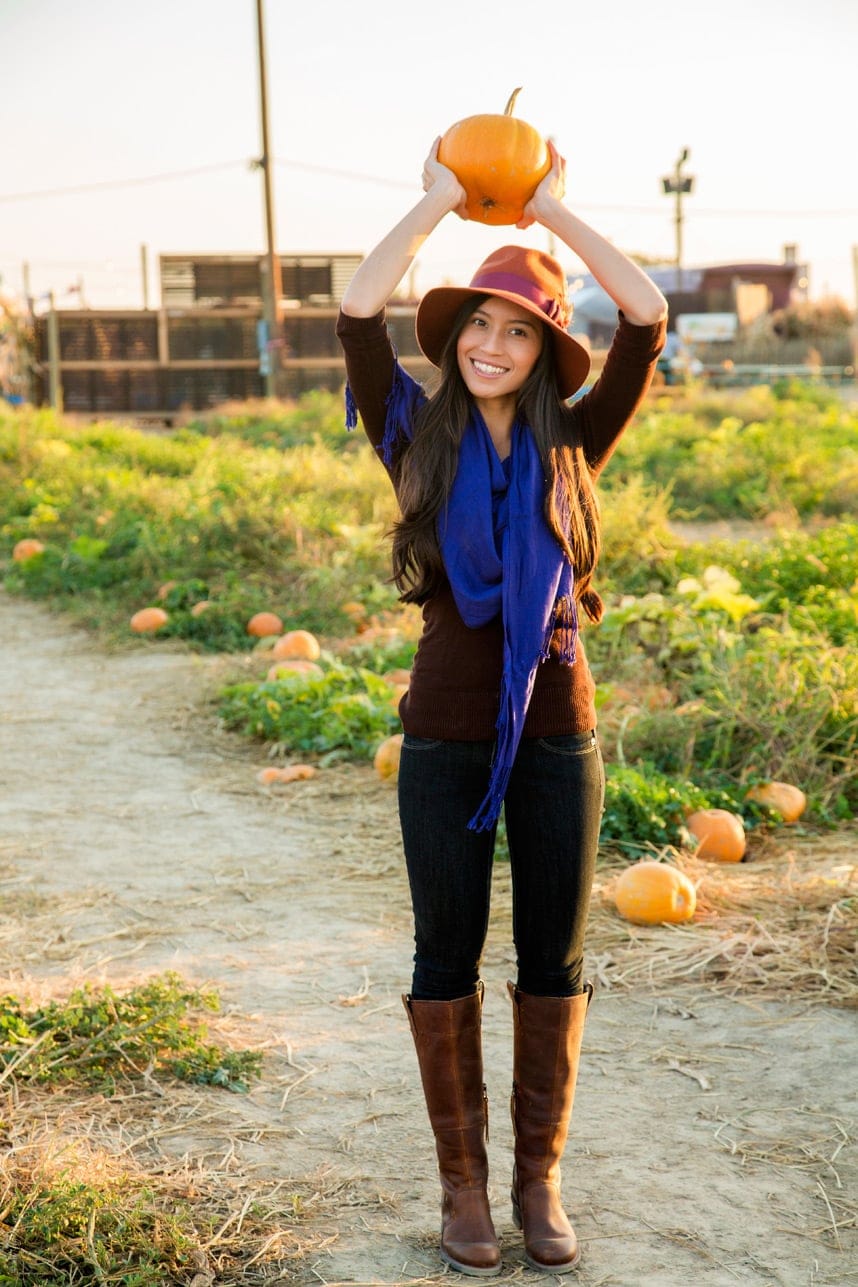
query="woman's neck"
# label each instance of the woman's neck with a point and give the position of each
(499, 417)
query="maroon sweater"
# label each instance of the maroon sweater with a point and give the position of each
(456, 676)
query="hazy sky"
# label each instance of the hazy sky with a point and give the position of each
(762, 92)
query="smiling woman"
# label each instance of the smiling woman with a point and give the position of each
(496, 351)
(498, 540)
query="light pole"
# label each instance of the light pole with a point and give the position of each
(680, 185)
(270, 349)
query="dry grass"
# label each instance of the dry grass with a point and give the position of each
(783, 926)
(95, 1187)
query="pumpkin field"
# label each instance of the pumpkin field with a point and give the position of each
(206, 1069)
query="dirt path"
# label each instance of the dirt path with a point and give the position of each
(711, 1144)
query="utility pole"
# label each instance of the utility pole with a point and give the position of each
(144, 274)
(855, 317)
(55, 386)
(680, 185)
(271, 345)
(28, 294)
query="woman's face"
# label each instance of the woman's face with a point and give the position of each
(498, 348)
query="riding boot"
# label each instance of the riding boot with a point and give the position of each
(547, 1045)
(447, 1040)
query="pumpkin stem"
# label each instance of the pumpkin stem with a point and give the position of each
(507, 111)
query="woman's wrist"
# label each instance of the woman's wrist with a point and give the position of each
(442, 199)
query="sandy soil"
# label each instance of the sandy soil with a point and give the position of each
(712, 1137)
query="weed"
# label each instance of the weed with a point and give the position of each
(88, 1223)
(99, 1037)
(345, 712)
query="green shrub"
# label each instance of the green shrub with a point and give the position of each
(121, 512)
(645, 808)
(99, 1037)
(345, 713)
(728, 456)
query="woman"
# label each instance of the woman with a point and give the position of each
(498, 541)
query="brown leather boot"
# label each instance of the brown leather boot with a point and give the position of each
(547, 1044)
(449, 1051)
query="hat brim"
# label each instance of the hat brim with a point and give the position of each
(440, 306)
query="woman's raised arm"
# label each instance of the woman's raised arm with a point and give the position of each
(384, 267)
(628, 285)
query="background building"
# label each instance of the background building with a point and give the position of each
(202, 346)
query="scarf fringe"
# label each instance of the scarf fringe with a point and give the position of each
(351, 409)
(507, 744)
(398, 417)
(563, 622)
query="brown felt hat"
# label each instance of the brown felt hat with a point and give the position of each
(529, 278)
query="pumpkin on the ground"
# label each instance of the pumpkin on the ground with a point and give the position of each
(397, 676)
(386, 759)
(27, 548)
(290, 773)
(397, 694)
(264, 624)
(720, 834)
(148, 619)
(199, 608)
(499, 161)
(164, 590)
(299, 644)
(654, 893)
(789, 800)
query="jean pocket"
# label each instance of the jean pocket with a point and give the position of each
(411, 743)
(570, 744)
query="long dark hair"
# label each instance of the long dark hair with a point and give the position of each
(425, 471)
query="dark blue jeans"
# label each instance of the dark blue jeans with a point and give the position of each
(552, 809)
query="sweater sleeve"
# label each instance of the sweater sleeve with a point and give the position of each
(606, 410)
(370, 362)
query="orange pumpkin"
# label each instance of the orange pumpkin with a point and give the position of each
(28, 548)
(399, 691)
(397, 677)
(789, 801)
(654, 893)
(297, 643)
(720, 834)
(291, 773)
(148, 619)
(263, 624)
(164, 590)
(499, 161)
(294, 666)
(199, 608)
(386, 760)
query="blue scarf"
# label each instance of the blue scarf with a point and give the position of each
(500, 557)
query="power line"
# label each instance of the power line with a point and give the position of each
(105, 184)
(357, 175)
(360, 176)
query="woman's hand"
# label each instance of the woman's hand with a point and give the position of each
(443, 180)
(549, 191)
